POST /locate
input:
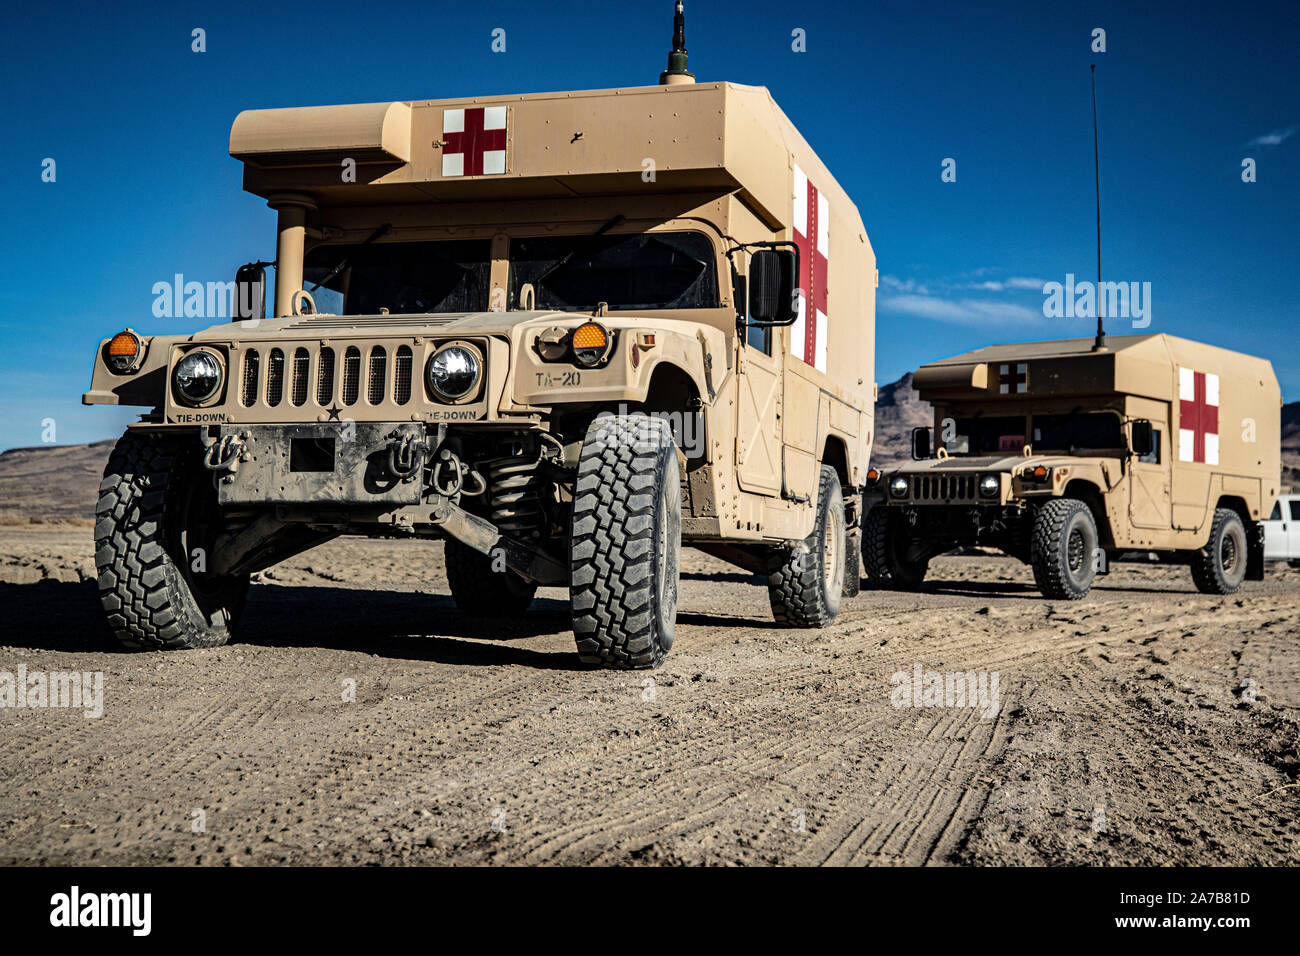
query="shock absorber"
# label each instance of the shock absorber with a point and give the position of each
(513, 496)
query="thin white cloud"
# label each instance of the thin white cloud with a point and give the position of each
(1002, 285)
(1275, 138)
(1025, 282)
(903, 285)
(962, 311)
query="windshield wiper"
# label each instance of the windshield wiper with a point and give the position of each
(617, 220)
(379, 233)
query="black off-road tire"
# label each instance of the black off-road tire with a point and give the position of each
(478, 590)
(884, 544)
(1062, 549)
(804, 586)
(1220, 566)
(626, 541)
(153, 489)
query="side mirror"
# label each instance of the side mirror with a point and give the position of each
(249, 303)
(771, 287)
(920, 443)
(1142, 438)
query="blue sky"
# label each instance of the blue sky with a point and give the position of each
(138, 127)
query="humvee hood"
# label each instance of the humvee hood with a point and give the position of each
(989, 463)
(439, 323)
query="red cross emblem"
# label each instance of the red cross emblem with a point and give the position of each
(1198, 416)
(1013, 378)
(812, 237)
(474, 141)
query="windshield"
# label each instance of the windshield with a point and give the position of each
(1077, 431)
(405, 277)
(660, 270)
(984, 436)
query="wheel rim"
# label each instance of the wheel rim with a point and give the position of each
(667, 559)
(1075, 551)
(830, 553)
(1228, 554)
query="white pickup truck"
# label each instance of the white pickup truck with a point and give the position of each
(1282, 531)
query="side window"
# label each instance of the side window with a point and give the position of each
(1153, 457)
(760, 337)
(1295, 510)
(1277, 512)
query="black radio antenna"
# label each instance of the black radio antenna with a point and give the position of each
(1099, 344)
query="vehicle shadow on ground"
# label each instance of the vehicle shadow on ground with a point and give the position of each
(1011, 589)
(737, 577)
(1007, 589)
(66, 616)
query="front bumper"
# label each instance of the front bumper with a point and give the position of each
(334, 463)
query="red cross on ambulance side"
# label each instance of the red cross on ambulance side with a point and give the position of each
(1198, 416)
(812, 220)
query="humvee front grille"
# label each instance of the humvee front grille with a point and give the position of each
(943, 487)
(351, 375)
(311, 381)
(402, 376)
(378, 362)
(301, 369)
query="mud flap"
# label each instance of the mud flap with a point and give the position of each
(1254, 551)
(852, 544)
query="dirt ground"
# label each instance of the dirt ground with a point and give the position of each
(1148, 724)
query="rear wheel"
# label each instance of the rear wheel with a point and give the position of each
(626, 542)
(479, 589)
(1220, 566)
(805, 583)
(1062, 549)
(155, 527)
(885, 545)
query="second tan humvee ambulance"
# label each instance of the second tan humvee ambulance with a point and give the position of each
(565, 332)
(1067, 456)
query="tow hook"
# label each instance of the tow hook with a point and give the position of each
(450, 474)
(223, 454)
(406, 457)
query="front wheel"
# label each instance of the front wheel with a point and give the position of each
(1220, 566)
(1062, 549)
(805, 583)
(156, 523)
(626, 542)
(885, 548)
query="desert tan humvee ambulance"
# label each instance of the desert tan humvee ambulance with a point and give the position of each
(565, 332)
(1066, 456)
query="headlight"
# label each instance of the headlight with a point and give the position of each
(124, 352)
(590, 344)
(454, 372)
(990, 485)
(898, 488)
(197, 377)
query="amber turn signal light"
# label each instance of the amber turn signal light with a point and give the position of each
(590, 343)
(124, 352)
